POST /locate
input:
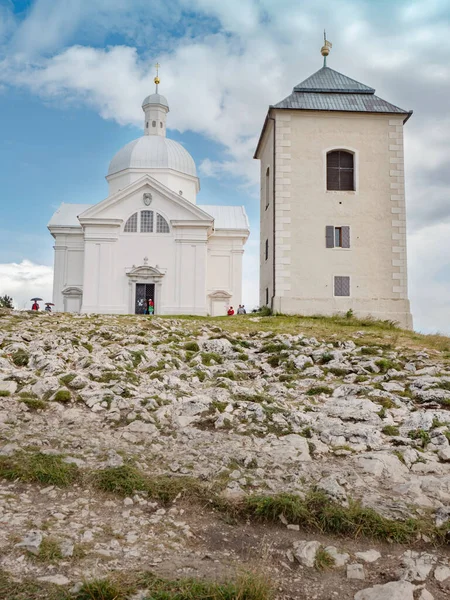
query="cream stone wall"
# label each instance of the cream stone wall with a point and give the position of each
(375, 213)
(266, 217)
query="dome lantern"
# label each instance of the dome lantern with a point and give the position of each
(155, 108)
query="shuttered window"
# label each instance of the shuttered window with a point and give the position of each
(131, 224)
(266, 251)
(340, 170)
(341, 286)
(337, 237)
(267, 296)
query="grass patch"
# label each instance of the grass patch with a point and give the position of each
(384, 365)
(4, 393)
(390, 430)
(63, 396)
(49, 551)
(38, 468)
(323, 560)
(420, 435)
(319, 389)
(317, 512)
(67, 379)
(20, 358)
(209, 357)
(126, 480)
(34, 404)
(192, 347)
(369, 350)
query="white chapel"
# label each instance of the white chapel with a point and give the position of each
(149, 239)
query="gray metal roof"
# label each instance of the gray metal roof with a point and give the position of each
(327, 80)
(329, 90)
(227, 217)
(67, 215)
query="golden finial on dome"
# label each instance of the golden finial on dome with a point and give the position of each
(157, 79)
(325, 50)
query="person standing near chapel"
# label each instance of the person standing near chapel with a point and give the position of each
(151, 307)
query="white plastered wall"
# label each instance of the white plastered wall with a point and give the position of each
(267, 216)
(224, 271)
(69, 264)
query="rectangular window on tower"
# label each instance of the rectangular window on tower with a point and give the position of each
(337, 237)
(341, 286)
(267, 296)
(266, 250)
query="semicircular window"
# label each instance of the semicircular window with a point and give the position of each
(146, 221)
(162, 226)
(131, 224)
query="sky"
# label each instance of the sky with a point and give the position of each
(73, 74)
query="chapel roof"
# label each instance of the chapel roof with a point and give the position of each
(327, 89)
(225, 217)
(67, 215)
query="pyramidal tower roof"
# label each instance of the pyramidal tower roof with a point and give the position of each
(326, 80)
(330, 90)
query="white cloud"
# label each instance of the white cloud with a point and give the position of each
(26, 280)
(429, 278)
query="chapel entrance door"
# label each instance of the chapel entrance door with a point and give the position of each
(144, 291)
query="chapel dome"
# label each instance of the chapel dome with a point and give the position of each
(153, 152)
(156, 99)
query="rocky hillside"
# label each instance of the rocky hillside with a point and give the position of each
(246, 457)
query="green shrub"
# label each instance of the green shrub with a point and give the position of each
(420, 435)
(4, 393)
(326, 358)
(62, 396)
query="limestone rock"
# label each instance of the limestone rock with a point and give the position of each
(417, 565)
(441, 573)
(305, 552)
(425, 595)
(55, 579)
(395, 590)
(369, 556)
(355, 571)
(340, 558)
(8, 386)
(31, 542)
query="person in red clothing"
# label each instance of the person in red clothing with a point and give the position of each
(151, 307)
(35, 306)
(230, 312)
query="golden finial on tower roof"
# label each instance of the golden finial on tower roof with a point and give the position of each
(157, 79)
(325, 50)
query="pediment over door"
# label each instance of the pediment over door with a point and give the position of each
(145, 273)
(220, 295)
(72, 291)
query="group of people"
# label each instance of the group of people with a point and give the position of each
(36, 306)
(150, 308)
(240, 311)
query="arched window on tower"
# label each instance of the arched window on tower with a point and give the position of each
(131, 224)
(162, 226)
(340, 170)
(267, 187)
(146, 221)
